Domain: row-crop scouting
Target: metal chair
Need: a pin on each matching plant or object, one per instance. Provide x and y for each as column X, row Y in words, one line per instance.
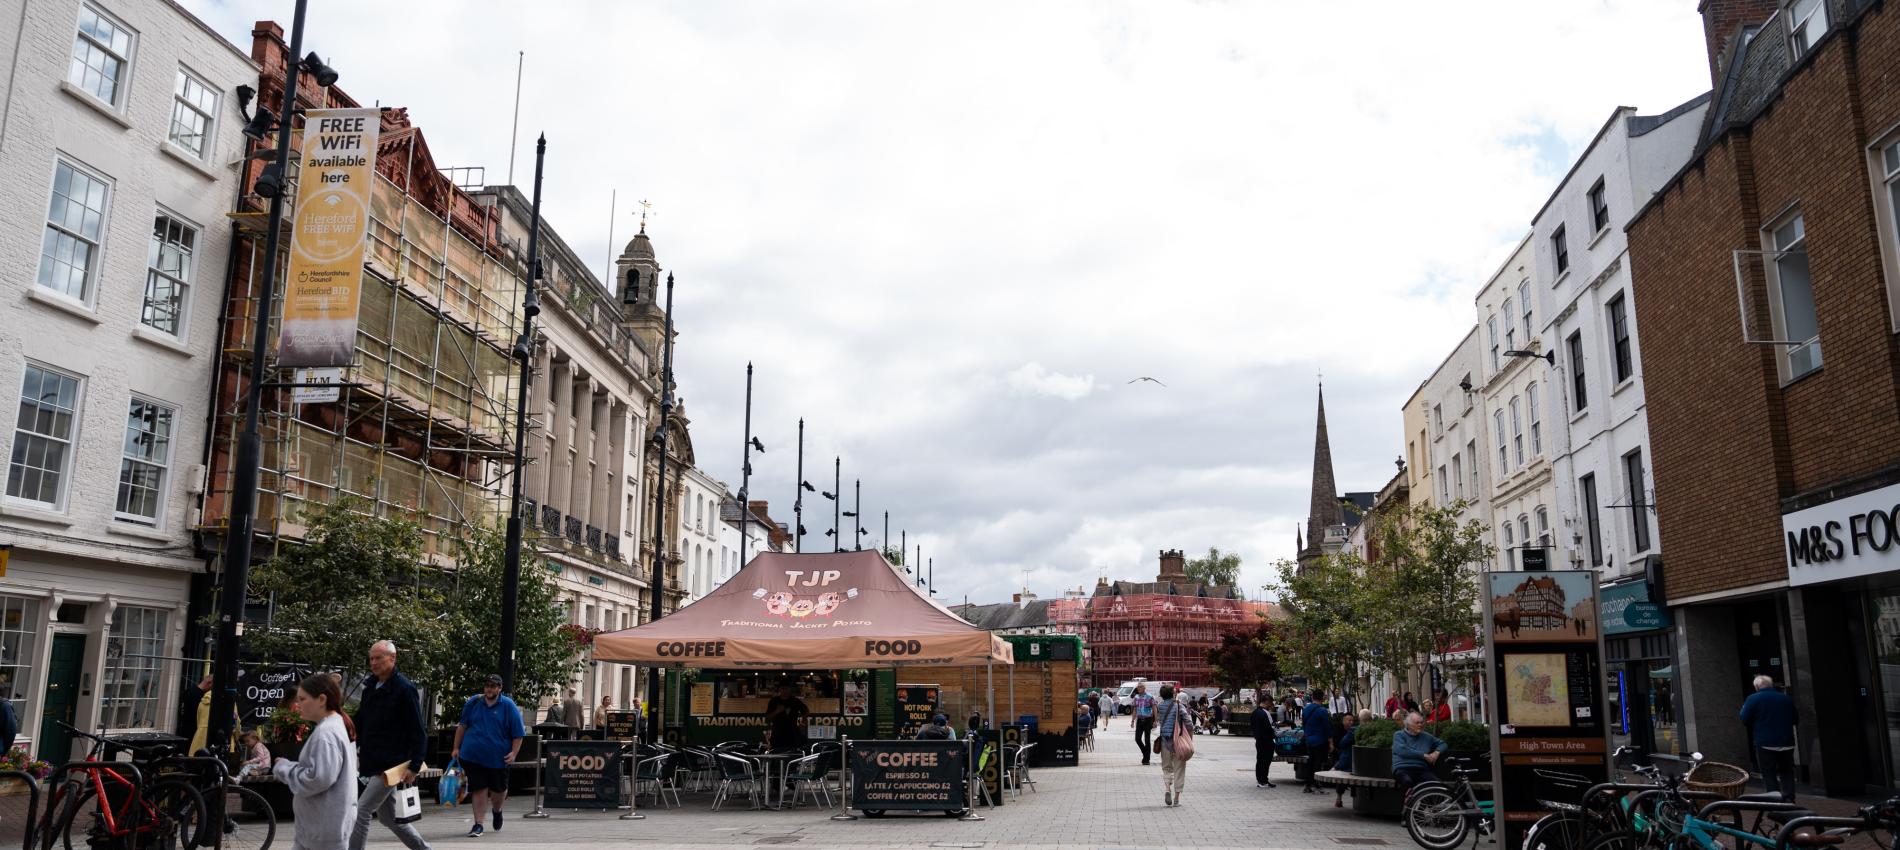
column 701, row 767
column 656, row 773
column 807, row 776
column 735, row 771
column 1019, row 770
column 830, row 758
column 1085, row 737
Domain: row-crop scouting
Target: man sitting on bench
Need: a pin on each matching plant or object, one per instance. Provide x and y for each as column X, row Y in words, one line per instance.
column 1414, row 751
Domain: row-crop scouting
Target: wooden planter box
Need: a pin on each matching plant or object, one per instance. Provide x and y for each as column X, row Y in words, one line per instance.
column 1375, row 762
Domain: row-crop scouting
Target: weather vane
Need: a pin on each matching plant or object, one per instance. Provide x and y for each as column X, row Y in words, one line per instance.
column 646, row 209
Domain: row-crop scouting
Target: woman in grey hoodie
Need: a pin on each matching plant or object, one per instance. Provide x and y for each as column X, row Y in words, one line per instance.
column 323, row 778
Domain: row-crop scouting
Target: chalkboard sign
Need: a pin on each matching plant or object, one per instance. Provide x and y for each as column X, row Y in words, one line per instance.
column 909, row 776
column 916, row 705
column 261, row 689
column 623, row 725
column 581, row 774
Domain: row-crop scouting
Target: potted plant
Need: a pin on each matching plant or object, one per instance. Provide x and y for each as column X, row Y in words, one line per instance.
column 1372, row 749
column 1467, row 740
column 17, row 759
column 284, row 733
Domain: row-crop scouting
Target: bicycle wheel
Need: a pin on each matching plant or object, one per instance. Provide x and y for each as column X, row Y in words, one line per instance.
column 1558, row 831
column 180, row 809
column 247, row 821
column 61, row 804
column 1435, row 819
column 1622, row 839
column 82, row 814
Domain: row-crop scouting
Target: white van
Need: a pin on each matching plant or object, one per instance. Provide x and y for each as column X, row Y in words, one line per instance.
column 1125, row 695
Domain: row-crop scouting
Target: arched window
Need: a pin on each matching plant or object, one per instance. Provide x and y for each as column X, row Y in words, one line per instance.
column 630, row 293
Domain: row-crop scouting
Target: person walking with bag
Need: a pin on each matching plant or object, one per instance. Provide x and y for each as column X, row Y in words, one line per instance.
column 1176, row 745
column 486, row 743
column 322, row 780
column 1144, row 711
column 389, row 734
column 1263, row 744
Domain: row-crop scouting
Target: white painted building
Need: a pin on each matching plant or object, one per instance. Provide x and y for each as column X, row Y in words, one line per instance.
column 700, row 532
column 1515, row 387
column 1598, row 421
column 118, row 141
column 1457, row 438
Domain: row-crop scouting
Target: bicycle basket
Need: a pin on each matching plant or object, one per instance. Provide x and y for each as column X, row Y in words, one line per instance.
column 1724, row 780
column 1556, row 786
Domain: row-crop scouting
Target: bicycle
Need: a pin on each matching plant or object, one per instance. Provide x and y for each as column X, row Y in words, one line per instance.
column 1604, row 808
column 1438, row 815
column 1673, row 823
column 243, row 816
column 1878, row 817
column 125, row 810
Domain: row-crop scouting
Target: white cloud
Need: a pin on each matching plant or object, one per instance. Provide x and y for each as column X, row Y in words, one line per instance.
column 887, row 205
column 1033, row 378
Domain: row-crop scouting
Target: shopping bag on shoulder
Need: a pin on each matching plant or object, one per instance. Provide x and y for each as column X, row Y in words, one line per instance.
column 406, row 803
column 1183, row 748
column 450, row 784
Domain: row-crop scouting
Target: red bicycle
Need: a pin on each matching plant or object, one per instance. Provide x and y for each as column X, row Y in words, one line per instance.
column 107, row 805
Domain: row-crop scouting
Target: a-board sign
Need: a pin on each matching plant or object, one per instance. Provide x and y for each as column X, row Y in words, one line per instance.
column 916, row 704
column 623, row 725
column 262, row 689
column 989, row 764
column 1543, row 638
column 581, row 774
column 909, row 775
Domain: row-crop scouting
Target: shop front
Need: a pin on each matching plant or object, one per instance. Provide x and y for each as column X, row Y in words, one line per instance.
column 707, row 707
column 1639, row 649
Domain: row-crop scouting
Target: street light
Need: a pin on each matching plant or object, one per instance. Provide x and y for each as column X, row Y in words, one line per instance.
column 745, row 468
column 798, row 493
column 523, row 351
column 1548, row 356
column 248, row 457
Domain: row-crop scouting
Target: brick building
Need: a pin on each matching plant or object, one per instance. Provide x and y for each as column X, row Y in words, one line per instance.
column 1163, row 629
column 1765, row 274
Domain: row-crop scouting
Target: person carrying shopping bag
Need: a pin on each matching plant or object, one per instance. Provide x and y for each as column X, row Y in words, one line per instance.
column 1176, row 743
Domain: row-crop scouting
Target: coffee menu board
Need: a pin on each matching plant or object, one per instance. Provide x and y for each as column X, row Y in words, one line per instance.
column 916, row 705
column 909, row 776
column 1549, row 738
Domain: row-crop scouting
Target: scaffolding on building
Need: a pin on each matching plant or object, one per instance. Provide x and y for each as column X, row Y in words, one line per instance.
column 1162, row 637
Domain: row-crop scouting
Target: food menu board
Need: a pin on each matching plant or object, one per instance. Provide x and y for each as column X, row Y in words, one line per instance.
column 701, row 704
column 916, row 705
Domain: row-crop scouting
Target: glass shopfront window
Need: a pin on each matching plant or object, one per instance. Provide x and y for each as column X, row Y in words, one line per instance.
column 1642, row 693
column 19, row 622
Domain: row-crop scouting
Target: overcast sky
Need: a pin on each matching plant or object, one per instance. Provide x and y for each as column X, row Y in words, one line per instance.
column 949, row 233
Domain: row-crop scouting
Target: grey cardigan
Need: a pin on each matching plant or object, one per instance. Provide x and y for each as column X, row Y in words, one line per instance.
column 324, row 782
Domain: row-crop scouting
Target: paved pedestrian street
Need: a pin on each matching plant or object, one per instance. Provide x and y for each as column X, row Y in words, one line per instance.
column 1110, row 801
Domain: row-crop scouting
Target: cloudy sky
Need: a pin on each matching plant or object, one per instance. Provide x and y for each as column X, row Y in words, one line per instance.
column 948, row 234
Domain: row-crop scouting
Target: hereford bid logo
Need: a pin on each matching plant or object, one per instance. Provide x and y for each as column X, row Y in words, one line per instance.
column 786, row 604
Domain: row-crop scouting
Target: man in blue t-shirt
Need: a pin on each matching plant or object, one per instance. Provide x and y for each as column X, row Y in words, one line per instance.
column 486, row 742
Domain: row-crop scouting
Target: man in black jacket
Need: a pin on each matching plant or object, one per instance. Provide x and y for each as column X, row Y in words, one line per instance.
column 1263, row 739
column 389, row 733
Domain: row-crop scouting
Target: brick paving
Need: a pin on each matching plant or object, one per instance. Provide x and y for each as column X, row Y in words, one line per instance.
column 1110, row 801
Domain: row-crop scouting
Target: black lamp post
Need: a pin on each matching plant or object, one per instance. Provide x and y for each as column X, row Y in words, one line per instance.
column 857, row 509
column 656, row 681
column 234, row 586
column 837, row 478
column 798, row 501
column 524, row 352
column 745, row 469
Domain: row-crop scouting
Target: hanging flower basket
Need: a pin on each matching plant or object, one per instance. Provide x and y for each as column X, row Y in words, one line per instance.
column 578, row 637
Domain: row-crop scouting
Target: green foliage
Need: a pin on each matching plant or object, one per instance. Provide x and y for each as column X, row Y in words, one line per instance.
column 1323, row 637
column 1464, row 736
column 546, row 659
column 1245, row 658
column 1375, row 733
column 894, row 555
column 355, row 580
column 1218, row 568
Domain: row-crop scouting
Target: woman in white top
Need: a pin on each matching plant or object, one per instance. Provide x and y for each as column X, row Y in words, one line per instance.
column 323, row 778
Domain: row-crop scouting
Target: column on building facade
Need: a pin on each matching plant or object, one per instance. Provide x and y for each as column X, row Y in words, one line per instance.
column 580, row 488
column 538, row 450
column 617, row 490
column 601, row 506
column 561, row 388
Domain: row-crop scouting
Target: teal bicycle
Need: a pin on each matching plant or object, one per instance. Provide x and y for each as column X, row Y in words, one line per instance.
column 1439, row 815
column 1670, row 819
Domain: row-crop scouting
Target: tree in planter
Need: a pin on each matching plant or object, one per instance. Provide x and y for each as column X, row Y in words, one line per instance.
column 1218, row 568
column 546, row 656
column 1245, row 657
column 1424, row 587
column 356, row 579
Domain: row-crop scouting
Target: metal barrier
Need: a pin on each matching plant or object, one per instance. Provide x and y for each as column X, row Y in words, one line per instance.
column 32, row 804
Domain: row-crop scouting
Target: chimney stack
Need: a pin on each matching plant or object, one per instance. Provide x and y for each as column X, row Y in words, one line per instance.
column 1722, row 19
column 1173, row 566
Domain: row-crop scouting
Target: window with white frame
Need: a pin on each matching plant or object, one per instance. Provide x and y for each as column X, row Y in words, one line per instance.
column 1579, row 388
column 1791, row 291
column 1524, row 529
column 1524, row 303
column 1471, row 451
column 1543, row 525
column 194, row 111
column 1887, row 171
column 1807, row 22
column 1497, row 420
column 1517, row 433
column 1638, row 482
column 75, row 224
column 102, row 55
column 1444, row 485
column 1560, row 248
column 1593, row 533
column 1599, row 208
column 1623, row 359
column 1510, row 328
column 1510, row 546
column 1491, row 326
column 1537, row 419
column 148, row 450
column 1458, row 473
column 43, row 437
column 134, row 673
column 19, row 634
column 1438, row 415
column 168, row 274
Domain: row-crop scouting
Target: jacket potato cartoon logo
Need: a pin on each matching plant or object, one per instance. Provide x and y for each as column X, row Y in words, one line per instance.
column 784, row 604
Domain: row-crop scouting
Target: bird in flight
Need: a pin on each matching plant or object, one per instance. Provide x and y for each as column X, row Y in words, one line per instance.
column 1146, row 378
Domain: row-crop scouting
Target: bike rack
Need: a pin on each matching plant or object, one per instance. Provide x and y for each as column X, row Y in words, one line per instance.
column 32, row 803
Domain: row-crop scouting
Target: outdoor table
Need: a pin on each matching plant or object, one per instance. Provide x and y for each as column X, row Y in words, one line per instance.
column 783, row 761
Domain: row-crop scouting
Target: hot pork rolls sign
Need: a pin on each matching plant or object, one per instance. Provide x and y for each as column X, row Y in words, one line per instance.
column 827, row 610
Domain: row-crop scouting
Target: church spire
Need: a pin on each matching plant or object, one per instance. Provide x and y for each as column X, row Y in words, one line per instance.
column 1324, row 509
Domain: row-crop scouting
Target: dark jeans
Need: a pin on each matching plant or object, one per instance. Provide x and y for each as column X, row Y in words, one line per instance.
column 1262, row 761
column 1408, row 776
column 1144, row 733
column 1777, row 770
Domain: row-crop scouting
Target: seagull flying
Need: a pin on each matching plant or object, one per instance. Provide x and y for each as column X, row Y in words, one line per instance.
column 1146, row 378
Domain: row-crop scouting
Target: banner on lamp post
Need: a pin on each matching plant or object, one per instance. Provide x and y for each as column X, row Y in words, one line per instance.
column 329, row 230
